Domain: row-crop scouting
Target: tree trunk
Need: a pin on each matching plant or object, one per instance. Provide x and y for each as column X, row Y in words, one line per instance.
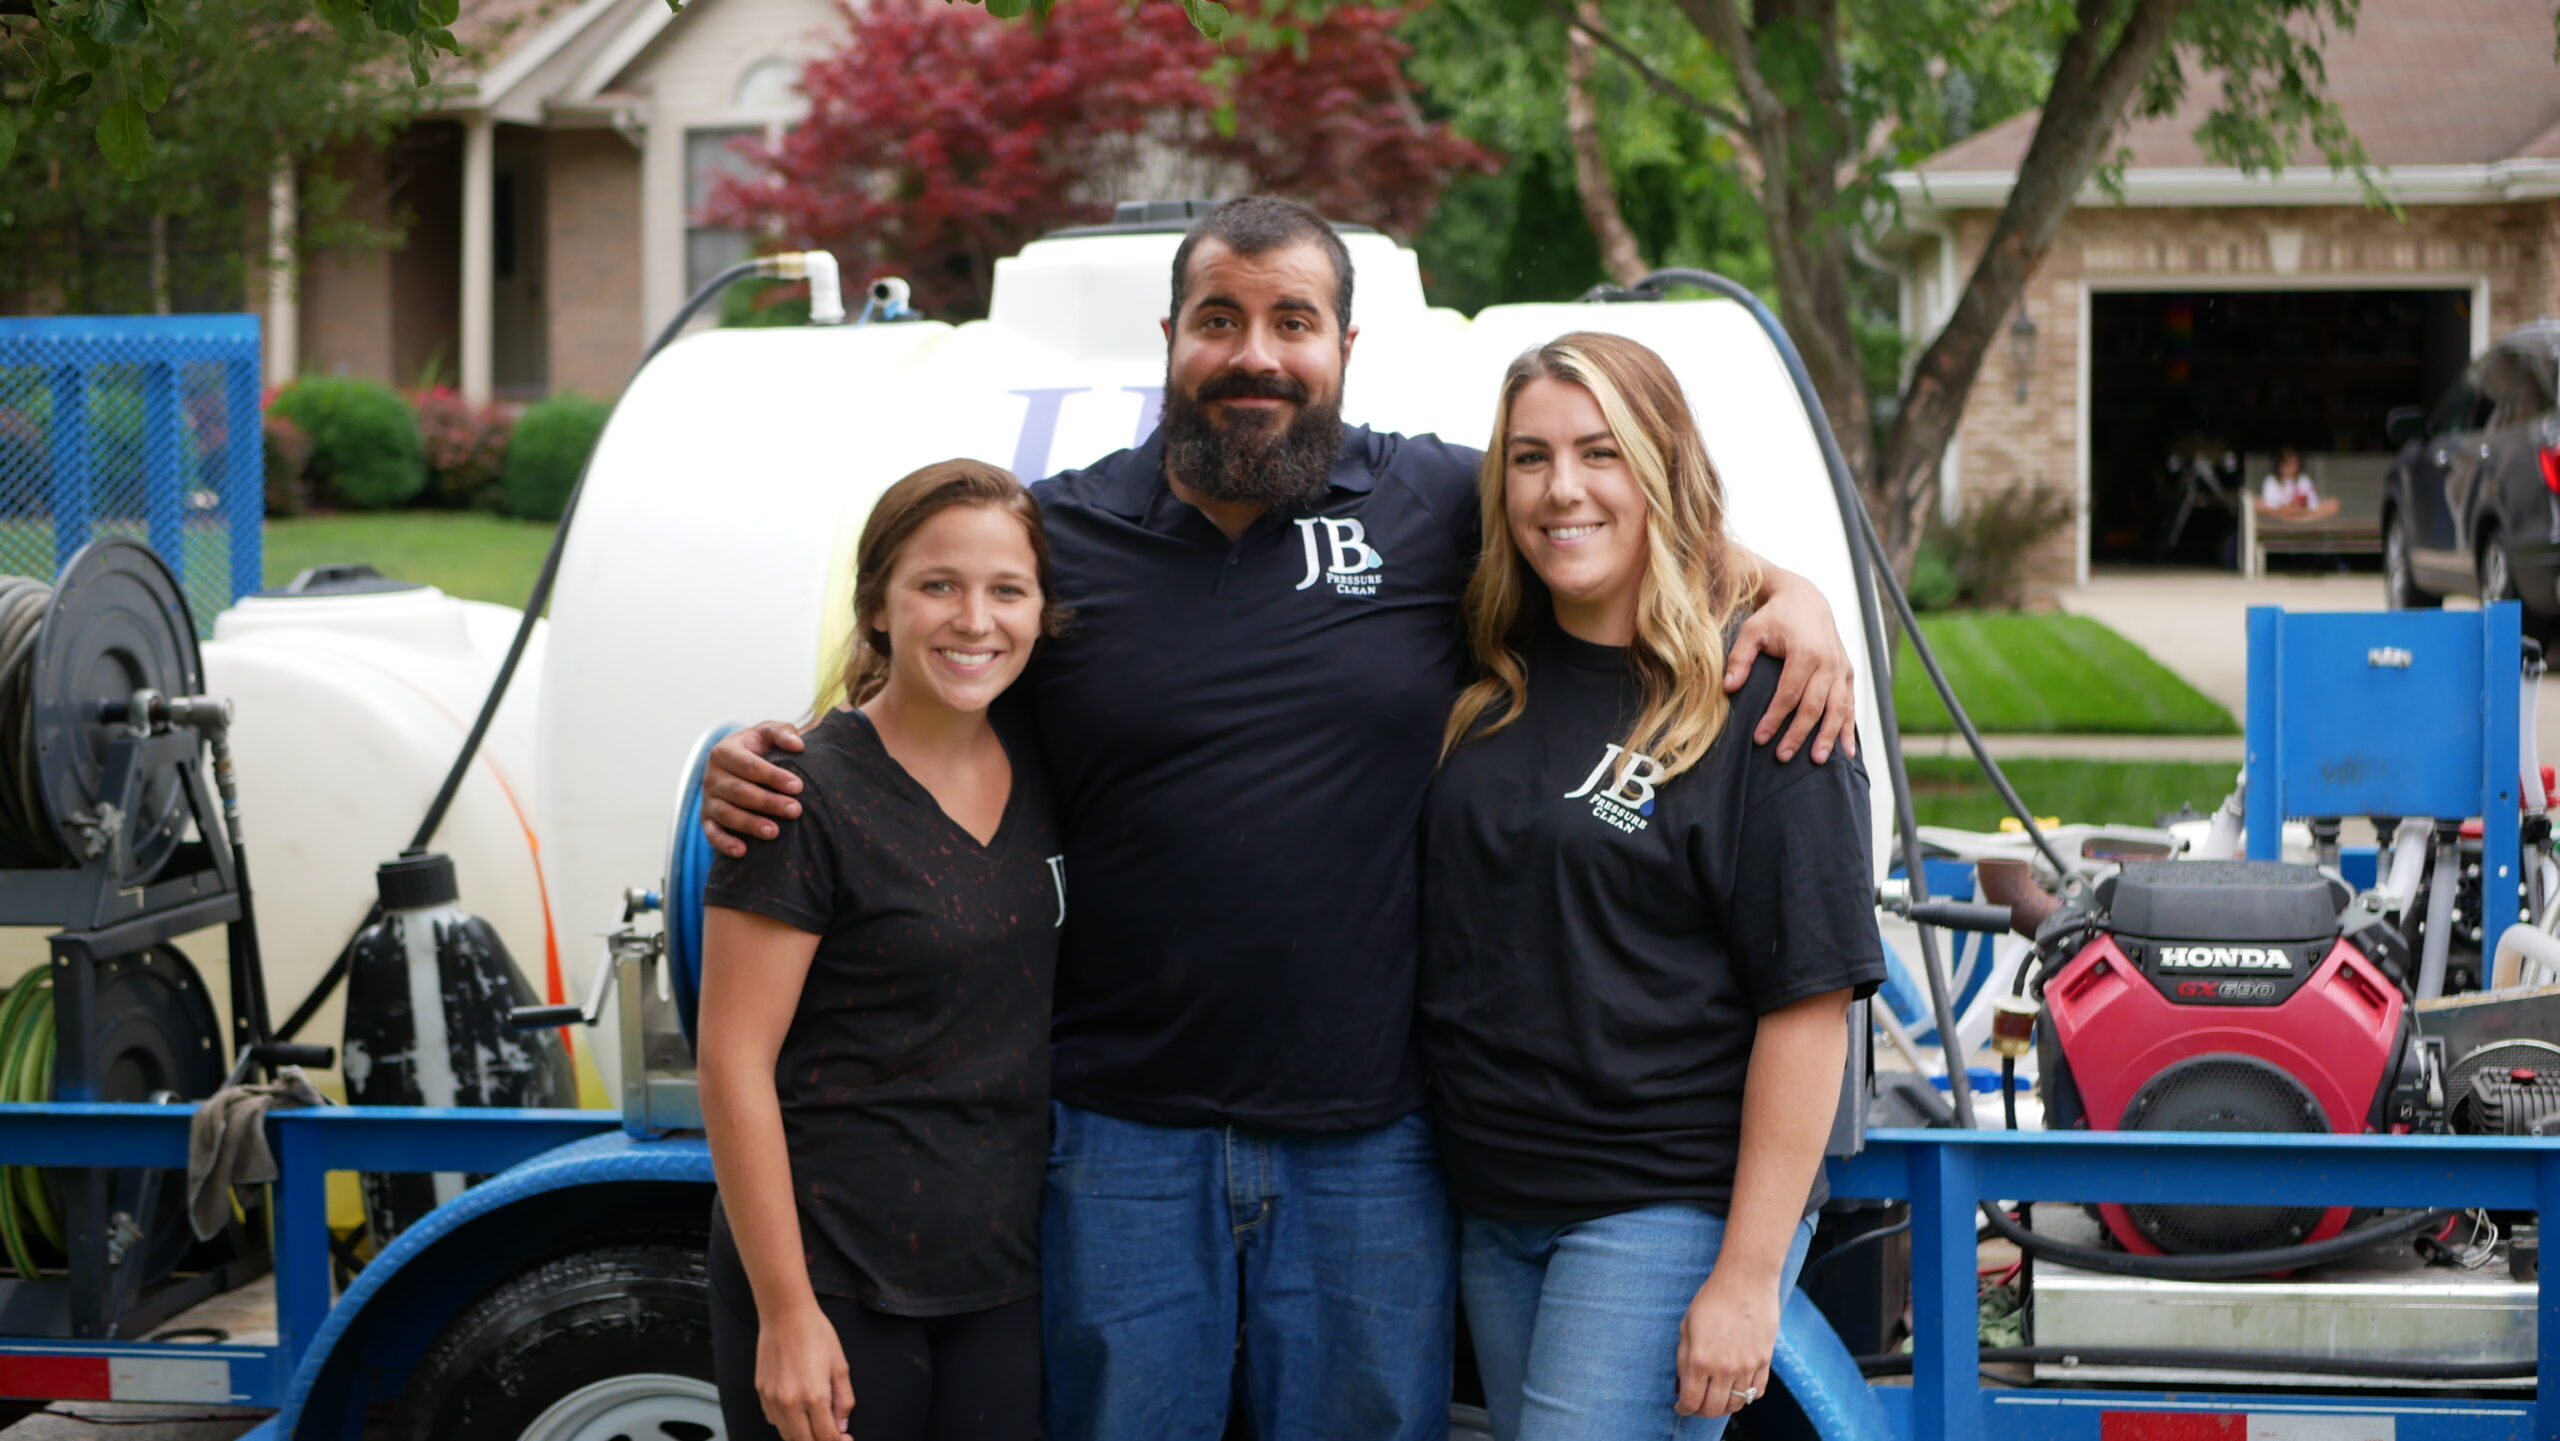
column 1599, row 194
column 2092, row 88
column 159, row 263
column 1802, row 149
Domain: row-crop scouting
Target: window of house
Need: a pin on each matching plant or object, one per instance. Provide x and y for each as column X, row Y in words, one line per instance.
column 708, row 249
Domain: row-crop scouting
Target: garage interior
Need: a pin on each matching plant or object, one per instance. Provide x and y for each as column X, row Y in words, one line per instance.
column 2193, row 392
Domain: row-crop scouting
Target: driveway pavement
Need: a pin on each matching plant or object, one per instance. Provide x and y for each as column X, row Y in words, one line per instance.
column 2195, row 622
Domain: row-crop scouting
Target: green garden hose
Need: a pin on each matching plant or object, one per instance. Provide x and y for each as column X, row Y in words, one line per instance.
column 26, row 1074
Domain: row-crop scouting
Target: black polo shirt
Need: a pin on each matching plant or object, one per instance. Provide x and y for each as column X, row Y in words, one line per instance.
column 1240, row 734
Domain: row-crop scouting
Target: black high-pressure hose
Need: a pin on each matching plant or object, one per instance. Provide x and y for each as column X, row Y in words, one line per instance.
column 533, row 608
column 1879, row 571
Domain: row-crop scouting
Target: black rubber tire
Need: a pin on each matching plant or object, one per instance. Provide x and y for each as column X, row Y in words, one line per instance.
column 614, row 1310
column 2400, row 590
column 2493, row 570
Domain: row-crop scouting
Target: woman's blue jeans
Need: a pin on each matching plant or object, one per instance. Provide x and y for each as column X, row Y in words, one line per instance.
column 1577, row 1326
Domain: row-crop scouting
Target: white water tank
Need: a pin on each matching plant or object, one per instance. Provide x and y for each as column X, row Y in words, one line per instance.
column 349, row 705
column 706, row 578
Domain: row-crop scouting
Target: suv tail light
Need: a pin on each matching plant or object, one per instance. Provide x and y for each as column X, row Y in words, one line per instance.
column 2551, row 469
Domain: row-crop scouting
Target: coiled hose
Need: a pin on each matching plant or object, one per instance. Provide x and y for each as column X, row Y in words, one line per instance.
column 28, row 839
column 26, row 1074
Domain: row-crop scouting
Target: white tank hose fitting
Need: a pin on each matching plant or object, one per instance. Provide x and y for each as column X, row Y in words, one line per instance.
column 826, row 287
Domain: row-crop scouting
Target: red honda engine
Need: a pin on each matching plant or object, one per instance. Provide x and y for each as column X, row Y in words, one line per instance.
column 2223, row 996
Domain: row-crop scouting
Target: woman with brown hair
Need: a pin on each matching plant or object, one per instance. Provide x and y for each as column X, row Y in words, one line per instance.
column 1641, row 934
column 874, row 1056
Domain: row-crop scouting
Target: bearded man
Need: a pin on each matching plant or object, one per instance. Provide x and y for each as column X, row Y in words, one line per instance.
column 1244, row 1200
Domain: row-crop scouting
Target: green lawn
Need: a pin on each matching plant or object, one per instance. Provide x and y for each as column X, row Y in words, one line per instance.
column 1948, row 791
column 477, row 557
column 2023, row 672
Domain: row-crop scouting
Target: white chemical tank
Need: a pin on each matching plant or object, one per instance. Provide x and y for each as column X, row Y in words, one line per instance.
column 706, row 576
column 349, row 704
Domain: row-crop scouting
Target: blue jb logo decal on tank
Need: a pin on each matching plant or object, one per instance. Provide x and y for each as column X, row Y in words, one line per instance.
column 1338, row 549
column 1626, row 803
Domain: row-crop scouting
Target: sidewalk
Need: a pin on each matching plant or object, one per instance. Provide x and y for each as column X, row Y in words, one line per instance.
column 2196, row 622
column 2082, row 747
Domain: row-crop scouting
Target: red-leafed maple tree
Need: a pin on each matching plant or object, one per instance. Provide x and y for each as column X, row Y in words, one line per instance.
column 940, row 139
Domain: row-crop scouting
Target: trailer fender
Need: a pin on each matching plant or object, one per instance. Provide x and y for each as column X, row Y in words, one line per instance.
column 1823, row 1378
column 608, row 1185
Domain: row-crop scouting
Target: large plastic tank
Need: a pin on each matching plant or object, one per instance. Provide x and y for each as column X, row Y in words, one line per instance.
column 705, row 579
column 349, row 707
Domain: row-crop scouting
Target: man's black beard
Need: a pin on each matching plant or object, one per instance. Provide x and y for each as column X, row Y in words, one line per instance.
column 1244, row 460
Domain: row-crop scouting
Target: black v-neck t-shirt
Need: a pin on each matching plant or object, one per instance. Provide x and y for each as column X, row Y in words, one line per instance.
column 914, row 1080
column 1598, row 944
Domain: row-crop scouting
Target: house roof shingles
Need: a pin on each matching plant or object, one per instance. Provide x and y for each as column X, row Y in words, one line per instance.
column 491, row 30
column 2420, row 82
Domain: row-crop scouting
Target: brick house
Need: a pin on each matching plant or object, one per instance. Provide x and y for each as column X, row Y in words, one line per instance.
column 550, row 190
column 2213, row 313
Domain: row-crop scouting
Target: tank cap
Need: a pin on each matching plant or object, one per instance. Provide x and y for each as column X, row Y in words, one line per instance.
column 416, row 882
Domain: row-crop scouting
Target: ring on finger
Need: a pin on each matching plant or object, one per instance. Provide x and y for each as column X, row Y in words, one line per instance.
column 1748, row 1394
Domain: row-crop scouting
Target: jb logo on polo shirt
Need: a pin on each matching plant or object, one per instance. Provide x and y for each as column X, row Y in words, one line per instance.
column 1626, row 803
column 1338, row 549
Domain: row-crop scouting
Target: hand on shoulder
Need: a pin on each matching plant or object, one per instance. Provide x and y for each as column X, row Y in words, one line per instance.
column 745, row 794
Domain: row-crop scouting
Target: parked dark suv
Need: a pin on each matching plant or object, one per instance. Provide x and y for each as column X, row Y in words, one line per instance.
column 2473, row 502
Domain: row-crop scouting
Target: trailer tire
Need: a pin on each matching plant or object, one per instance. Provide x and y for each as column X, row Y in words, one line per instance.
column 611, row 1340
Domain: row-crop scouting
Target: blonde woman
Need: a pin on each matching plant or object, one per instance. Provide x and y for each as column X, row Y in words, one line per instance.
column 1641, row 933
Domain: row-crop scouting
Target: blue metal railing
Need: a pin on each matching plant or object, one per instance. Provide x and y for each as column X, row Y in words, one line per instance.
column 147, row 426
column 1944, row 1174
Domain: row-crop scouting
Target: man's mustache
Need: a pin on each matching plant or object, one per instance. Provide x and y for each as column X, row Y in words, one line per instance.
column 1236, row 386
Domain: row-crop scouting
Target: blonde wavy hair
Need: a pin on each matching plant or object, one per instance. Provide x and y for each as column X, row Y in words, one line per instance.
column 1696, row 580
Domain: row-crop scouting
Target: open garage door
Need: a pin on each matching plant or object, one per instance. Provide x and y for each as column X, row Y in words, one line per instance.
column 2192, row 393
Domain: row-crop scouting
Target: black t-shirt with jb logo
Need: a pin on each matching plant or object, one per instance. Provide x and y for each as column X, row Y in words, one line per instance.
column 1598, row 944
column 914, row 1080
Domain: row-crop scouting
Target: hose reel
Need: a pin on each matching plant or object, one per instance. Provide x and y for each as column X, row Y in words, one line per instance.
column 109, row 832
column 73, row 656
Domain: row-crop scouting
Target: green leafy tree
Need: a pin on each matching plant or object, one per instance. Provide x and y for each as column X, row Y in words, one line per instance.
column 1821, row 99
column 1497, row 70
column 240, row 87
column 114, row 64
column 1826, row 97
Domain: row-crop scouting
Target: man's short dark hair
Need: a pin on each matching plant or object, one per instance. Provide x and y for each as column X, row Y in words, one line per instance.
column 1253, row 224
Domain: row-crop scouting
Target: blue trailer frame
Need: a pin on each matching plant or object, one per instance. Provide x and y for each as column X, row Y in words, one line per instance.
column 331, row 1358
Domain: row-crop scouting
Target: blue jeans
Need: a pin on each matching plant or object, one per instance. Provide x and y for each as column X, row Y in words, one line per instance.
column 1328, row 1258
column 1577, row 1327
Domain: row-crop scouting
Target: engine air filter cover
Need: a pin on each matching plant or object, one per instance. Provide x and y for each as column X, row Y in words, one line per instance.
column 2224, row 1092
column 2224, row 901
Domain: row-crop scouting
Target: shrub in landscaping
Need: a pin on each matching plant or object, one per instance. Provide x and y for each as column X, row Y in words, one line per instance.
column 365, row 450
column 1934, row 584
column 288, row 452
column 550, row 443
column 1990, row 541
column 466, row 447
